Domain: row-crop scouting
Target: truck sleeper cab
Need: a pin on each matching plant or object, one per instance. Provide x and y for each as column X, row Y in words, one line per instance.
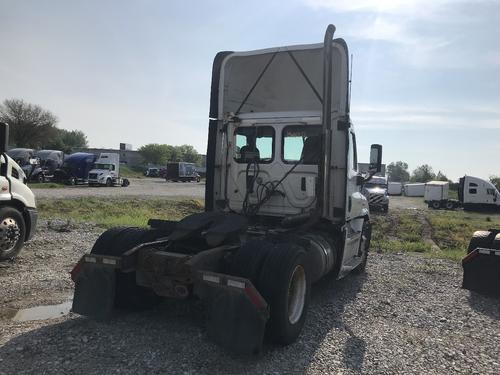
column 283, row 204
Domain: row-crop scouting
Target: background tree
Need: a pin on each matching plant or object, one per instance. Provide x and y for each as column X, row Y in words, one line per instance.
column 423, row 173
column 189, row 154
column 441, row 177
column 67, row 140
column 398, row 171
column 155, row 153
column 495, row 180
column 30, row 125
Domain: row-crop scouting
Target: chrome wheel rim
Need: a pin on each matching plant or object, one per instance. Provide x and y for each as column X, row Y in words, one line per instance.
column 9, row 234
column 296, row 294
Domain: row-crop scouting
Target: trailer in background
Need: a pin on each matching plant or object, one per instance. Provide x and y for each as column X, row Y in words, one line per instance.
column 50, row 161
column 436, row 195
column 415, row 190
column 395, row 188
column 181, row 171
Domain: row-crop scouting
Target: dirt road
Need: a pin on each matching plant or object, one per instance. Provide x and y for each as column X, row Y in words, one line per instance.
column 143, row 187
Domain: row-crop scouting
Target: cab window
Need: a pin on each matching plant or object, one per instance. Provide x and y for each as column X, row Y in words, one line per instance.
column 254, row 143
column 301, row 142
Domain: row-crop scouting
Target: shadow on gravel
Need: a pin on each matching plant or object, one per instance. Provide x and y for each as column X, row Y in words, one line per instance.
column 171, row 339
column 485, row 305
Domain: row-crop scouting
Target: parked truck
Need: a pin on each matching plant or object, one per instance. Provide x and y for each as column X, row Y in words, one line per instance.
column 18, row 214
column 474, row 194
column 283, row 204
column 106, row 171
column 376, row 192
column 181, row 171
column 50, row 161
column 27, row 160
column 75, row 168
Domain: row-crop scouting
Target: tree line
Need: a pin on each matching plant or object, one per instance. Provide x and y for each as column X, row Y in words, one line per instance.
column 31, row 126
column 160, row 154
column 398, row 172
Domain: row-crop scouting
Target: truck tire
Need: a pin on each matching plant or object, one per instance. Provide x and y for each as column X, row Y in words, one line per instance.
column 40, row 178
column 125, row 182
column 12, row 232
column 436, row 205
column 248, row 260
column 450, row 205
column 366, row 236
column 284, row 284
column 115, row 242
column 109, row 183
column 480, row 238
column 71, row 181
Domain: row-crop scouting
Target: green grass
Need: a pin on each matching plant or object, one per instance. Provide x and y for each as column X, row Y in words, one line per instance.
column 131, row 172
column 107, row 213
column 411, row 230
column 45, row 185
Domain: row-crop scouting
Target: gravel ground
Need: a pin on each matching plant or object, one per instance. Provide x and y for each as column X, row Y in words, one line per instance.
column 145, row 187
column 407, row 314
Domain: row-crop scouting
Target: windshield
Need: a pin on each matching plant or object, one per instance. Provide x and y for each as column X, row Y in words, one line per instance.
column 110, row 167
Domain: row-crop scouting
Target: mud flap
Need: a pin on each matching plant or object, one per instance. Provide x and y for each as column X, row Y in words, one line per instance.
column 236, row 316
column 95, row 291
column 482, row 271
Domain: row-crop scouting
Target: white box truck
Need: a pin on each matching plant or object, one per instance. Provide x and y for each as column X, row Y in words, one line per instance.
column 106, row 171
column 394, row 188
column 415, row 190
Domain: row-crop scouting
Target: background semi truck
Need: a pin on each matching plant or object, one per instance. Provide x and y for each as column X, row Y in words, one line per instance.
column 75, row 168
column 474, row 194
column 18, row 214
column 27, row 160
column 181, row 171
column 283, row 204
column 376, row 192
column 106, row 171
column 50, row 161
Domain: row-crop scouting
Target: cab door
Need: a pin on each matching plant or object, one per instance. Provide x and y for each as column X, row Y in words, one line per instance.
column 356, row 206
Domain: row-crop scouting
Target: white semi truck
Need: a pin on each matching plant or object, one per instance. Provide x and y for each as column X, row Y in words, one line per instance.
column 18, row 214
column 106, row 171
column 474, row 194
column 283, row 204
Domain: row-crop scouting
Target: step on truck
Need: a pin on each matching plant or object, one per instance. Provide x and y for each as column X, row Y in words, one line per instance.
column 18, row 214
column 106, row 171
column 283, row 205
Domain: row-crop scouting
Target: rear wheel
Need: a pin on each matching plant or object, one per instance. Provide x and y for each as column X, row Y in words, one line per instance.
column 248, row 260
column 115, row 242
column 40, row 178
column 72, row 181
column 436, row 205
column 125, row 182
column 284, row 284
column 450, row 205
column 480, row 238
column 12, row 232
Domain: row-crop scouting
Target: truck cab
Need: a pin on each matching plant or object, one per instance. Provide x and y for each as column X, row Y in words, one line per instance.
column 106, row 171
column 478, row 194
column 18, row 214
column 283, row 203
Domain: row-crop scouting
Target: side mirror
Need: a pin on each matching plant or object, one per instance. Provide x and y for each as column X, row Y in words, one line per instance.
column 375, row 159
column 4, row 137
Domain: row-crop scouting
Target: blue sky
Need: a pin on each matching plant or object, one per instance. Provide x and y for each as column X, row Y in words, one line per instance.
column 426, row 78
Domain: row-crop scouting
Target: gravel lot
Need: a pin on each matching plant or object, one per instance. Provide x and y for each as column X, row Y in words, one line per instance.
column 408, row 314
column 145, row 187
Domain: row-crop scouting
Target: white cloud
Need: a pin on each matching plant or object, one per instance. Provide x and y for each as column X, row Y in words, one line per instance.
column 407, row 117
